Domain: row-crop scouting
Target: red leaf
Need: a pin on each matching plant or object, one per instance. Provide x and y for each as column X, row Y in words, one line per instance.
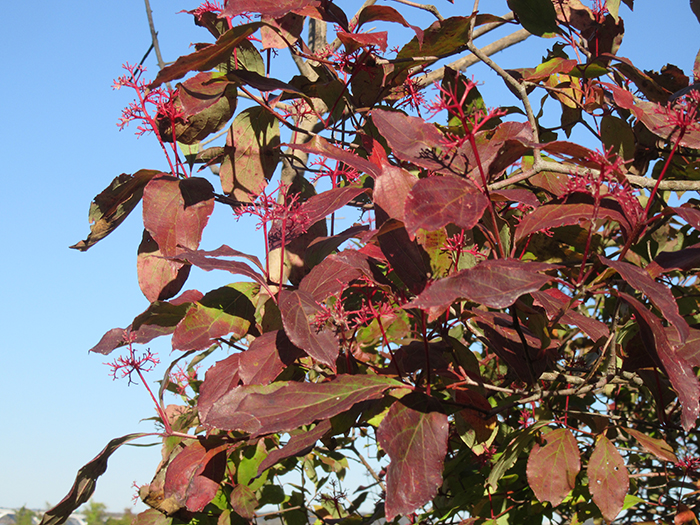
column 387, row 14
column 175, row 212
column 557, row 307
column 109, row 209
column 287, row 405
column 496, row 283
column 273, row 8
column 657, row 293
column 438, row 201
column 608, row 480
column 226, row 310
column 297, row 445
column 412, row 139
column 193, row 477
column 207, row 57
column 322, row 205
column 406, row 256
column 221, row 378
column 333, row 274
column 575, row 211
column 657, row 447
column 689, row 214
column 354, row 41
column 299, row 310
column 679, row 371
column 320, row 146
column 159, row 278
column 266, row 357
column 416, row 443
column 552, row 469
column 392, row 188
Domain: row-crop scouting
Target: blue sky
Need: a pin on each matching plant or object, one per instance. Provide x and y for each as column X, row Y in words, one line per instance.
column 60, row 406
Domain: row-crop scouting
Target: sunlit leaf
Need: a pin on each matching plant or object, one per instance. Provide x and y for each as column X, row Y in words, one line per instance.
column 552, row 469
column 608, row 480
column 657, row 447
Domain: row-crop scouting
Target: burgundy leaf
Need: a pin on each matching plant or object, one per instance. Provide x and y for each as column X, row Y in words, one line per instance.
column 85, row 483
column 677, row 368
column 175, row 212
column 411, row 138
column 657, row 293
column 320, row 146
column 518, row 195
column 552, row 469
column 556, row 304
column 322, row 247
column 416, row 443
column 207, row 57
column 193, row 476
column 496, row 283
column 220, row 379
column 355, row 41
column 201, row 92
column 683, row 260
column 406, row 256
column 226, row 310
column 689, row 214
column 574, row 211
column 273, row 8
column 372, row 13
column 657, row 447
column 438, row 201
column 332, row 275
column 297, row 445
column 322, row 205
column 392, row 188
column 287, row 405
column 109, row 209
column 159, row 278
column 266, row 357
column 299, row 310
column 608, row 480
column 690, row 351
column 257, row 81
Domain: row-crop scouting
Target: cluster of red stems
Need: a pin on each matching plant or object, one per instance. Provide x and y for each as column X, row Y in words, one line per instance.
column 502, row 328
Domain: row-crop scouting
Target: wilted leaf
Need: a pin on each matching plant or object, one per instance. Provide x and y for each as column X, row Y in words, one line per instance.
column 657, row 447
column 175, row 212
column 435, row 202
column 416, row 443
column 608, row 480
column 287, row 405
column 109, row 209
column 299, row 310
column 85, row 483
column 552, row 469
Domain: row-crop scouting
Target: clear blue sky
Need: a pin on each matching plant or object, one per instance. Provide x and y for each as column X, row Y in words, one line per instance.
column 60, row 406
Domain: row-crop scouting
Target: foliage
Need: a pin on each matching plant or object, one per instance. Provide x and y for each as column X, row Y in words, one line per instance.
column 24, row 516
column 507, row 333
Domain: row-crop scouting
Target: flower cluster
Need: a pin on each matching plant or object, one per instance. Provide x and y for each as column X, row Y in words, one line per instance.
column 125, row 366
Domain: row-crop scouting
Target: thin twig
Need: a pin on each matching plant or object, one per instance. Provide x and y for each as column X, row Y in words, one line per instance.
column 425, row 7
column 154, row 39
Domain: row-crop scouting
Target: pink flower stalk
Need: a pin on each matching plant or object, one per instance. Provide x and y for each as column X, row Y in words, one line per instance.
column 125, row 366
column 182, row 376
column 413, row 96
column 341, row 172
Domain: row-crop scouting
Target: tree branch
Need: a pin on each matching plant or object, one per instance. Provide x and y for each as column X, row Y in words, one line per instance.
column 154, row 39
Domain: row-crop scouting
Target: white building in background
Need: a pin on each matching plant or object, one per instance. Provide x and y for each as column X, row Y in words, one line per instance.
column 7, row 517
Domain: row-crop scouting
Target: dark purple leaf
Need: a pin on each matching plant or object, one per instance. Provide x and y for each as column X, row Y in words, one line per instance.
column 175, row 212
column 193, row 476
column 556, row 304
column 159, row 278
column 608, row 480
column 207, row 57
column 679, row 371
column 109, row 209
column 496, row 283
column 299, row 310
column 332, row 275
column 683, row 260
column 552, row 469
column 320, row 146
column 658, row 294
column 85, row 483
column 689, row 214
column 322, row 247
column 577, row 209
column 226, row 310
column 287, row 405
column 262, row 83
column 416, row 443
column 297, row 445
column 405, row 255
column 438, row 201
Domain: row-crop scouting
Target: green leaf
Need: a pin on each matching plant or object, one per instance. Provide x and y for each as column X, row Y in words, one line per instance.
column 287, row 405
column 537, row 16
column 520, row 440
